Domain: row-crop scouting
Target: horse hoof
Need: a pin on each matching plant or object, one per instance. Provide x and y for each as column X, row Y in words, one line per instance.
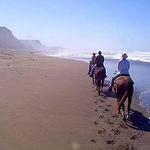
column 127, row 117
column 123, row 116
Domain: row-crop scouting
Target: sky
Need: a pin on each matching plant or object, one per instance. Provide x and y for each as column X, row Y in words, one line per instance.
column 108, row 25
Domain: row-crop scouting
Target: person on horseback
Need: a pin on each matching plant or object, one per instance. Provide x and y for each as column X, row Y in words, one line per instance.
column 92, row 62
column 99, row 62
column 93, row 58
column 123, row 70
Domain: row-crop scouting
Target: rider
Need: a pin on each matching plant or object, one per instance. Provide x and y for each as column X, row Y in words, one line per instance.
column 93, row 58
column 123, row 69
column 99, row 62
column 92, row 62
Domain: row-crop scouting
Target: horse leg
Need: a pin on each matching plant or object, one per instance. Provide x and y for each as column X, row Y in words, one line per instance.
column 98, row 85
column 93, row 80
column 102, row 85
column 123, row 108
column 130, row 100
column 121, row 102
column 99, row 90
column 118, row 99
column 118, row 109
column 123, row 113
column 129, row 106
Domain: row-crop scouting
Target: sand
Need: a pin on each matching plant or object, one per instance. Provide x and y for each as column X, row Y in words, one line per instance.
column 49, row 103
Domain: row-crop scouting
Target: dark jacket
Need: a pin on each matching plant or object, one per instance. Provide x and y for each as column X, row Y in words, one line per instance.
column 99, row 61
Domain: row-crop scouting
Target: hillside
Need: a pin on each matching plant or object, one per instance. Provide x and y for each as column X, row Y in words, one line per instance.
column 9, row 41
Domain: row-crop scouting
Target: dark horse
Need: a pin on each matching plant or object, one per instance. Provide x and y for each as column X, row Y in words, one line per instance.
column 99, row 75
column 123, row 88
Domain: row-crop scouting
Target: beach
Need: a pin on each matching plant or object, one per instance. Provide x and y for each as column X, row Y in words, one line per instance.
column 49, row 103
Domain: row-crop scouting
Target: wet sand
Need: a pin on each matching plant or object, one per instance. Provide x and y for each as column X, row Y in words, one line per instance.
column 50, row 104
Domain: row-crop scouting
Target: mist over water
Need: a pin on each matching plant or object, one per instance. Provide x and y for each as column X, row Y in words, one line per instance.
column 139, row 69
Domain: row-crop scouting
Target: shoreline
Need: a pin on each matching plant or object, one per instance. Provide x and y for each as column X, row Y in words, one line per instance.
column 50, row 103
column 143, row 107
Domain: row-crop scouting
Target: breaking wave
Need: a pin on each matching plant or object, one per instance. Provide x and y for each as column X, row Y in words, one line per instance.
column 136, row 56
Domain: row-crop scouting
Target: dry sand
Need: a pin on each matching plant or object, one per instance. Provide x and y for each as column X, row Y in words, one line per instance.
column 50, row 104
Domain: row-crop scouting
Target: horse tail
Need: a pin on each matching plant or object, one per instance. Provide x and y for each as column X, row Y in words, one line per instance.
column 123, row 98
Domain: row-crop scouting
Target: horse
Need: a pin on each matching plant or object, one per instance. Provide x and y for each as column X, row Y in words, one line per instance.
column 100, row 76
column 92, row 72
column 123, row 88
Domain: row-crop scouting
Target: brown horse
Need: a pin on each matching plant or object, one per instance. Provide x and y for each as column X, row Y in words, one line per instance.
column 93, row 76
column 123, row 88
column 99, row 78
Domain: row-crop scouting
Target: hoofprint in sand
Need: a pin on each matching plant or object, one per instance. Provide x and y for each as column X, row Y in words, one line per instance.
column 50, row 103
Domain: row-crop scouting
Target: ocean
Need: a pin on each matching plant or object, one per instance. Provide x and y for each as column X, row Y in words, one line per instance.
column 139, row 70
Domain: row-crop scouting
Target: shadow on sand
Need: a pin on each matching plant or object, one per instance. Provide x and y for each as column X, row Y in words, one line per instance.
column 109, row 94
column 138, row 121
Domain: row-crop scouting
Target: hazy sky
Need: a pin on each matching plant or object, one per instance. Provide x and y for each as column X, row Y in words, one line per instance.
column 80, row 24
